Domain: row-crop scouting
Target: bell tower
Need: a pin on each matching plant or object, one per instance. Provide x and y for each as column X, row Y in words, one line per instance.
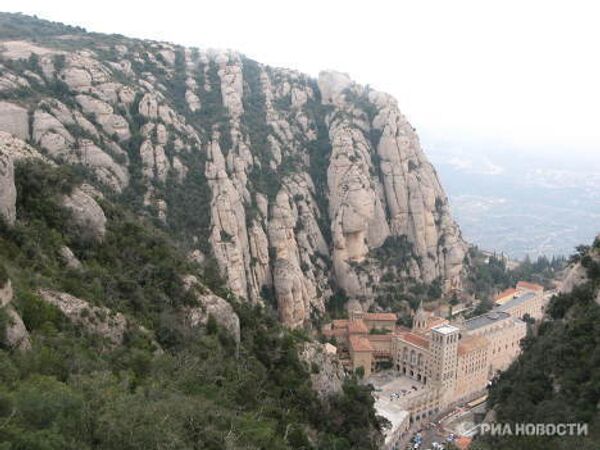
column 444, row 354
column 420, row 319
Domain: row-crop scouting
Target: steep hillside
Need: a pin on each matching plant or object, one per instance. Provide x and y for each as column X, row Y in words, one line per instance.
column 296, row 187
column 557, row 377
column 111, row 338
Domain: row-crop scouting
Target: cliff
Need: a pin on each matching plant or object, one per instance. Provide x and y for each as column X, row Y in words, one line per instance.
column 291, row 184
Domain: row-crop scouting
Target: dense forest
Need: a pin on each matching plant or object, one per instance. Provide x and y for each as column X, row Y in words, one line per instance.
column 557, row 377
column 168, row 387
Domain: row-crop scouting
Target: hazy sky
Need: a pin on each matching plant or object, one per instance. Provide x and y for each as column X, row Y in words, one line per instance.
column 524, row 74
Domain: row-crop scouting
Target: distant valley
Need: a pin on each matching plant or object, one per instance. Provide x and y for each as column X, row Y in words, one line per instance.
column 520, row 205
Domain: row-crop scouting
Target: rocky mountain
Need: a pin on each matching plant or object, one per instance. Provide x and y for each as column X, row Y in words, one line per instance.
column 295, row 186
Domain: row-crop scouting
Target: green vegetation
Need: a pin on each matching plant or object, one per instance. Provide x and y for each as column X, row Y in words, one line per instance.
column 21, row 26
column 557, row 378
column 71, row 391
column 213, row 115
column 320, row 152
column 264, row 178
column 489, row 274
column 396, row 252
column 3, row 276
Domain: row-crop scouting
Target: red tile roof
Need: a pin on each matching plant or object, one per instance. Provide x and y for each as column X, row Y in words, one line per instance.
column 335, row 332
column 463, row 442
column 379, row 337
column 360, row 344
column 342, row 323
column 381, row 317
column 415, row 339
column 435, row 321
column 357, row 327
column 506, row 293
column 529, row 286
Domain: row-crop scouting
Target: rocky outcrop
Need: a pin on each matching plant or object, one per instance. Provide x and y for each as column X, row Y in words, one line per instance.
column 11, row 149
column 577, row 274
column 14, row 120
column 87, row 216
column 16, row 336
column 210, row 304
column 96, row 320
column 404, row 198
column 8, row 191
column 326, row 371
column 68, row 258
column 302, row 180
column 6, row 293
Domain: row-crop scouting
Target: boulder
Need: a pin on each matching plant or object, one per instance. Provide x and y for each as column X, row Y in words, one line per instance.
column 86, row 215
column 68, row 258
column 96, row 320
column 16, row 336
column 14, row 119
column 210, row 304
column 8, row 191
column 326, row 371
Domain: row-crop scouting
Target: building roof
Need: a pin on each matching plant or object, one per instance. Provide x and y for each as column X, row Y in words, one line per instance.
column 415, row 339
column 340, row 323
column 379, row 337
column 434, row 321
column 516, row 301
column 381, row 317
column 486, row 319
column 336, row 332
column 360, row 344
column 526, row 285
column 357, row 327
column 445, row 329
column 505, row 294
column 471, row 343
column 463, row 442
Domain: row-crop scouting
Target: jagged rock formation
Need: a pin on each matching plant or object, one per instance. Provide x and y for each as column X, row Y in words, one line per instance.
column 577, row 272
column 8, row 191
column 210, row 304
column 69, row 259
column 326, row 370
column 290, row 183
column 11, row 150
column 96, row 320
column 16, row 335
column 86, row 215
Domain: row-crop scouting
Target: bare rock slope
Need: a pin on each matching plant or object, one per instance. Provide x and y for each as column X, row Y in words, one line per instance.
column 290, row 184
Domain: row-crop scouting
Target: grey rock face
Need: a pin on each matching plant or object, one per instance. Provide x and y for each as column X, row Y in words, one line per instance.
column 17, row 336
column 210, row 304
column 302, row 180
column 326, row 371
column 8, row 191
column 87, row 215
column 95, row 320
column 6, row 294
column 11, row 149
column 577, row 274
column 69, row 259
column 14, row 120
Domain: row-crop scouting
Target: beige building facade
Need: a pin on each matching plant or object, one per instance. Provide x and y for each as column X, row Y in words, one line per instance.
column 448, row 362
